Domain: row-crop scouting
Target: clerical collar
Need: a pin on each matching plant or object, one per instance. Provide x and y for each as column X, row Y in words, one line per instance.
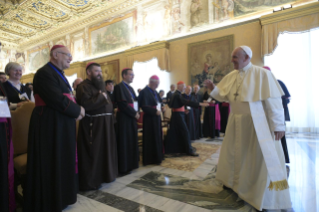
column 246, row 67
column 125, row 83
column 172, row 91
column 57, row 68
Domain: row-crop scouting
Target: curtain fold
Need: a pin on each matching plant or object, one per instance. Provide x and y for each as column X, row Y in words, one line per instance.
column 297, row 20
column 295, row 63
column 159, row 50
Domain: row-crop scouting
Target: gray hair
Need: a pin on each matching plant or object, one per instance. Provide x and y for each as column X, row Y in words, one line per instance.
column 10, row 66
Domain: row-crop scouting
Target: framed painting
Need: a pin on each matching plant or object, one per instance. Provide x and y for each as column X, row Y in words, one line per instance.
column 111, row 70
column 210, row 59
column 38, row 58
column 117, row 34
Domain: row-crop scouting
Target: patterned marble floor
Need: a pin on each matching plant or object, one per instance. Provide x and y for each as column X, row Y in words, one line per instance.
column 157, row 188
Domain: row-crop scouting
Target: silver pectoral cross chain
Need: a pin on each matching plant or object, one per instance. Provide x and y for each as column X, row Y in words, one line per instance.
column 236, row 94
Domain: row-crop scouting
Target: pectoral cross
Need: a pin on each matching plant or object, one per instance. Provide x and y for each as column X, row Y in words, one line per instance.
column 236, row 94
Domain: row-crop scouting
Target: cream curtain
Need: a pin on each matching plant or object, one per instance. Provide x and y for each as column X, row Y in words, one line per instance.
column 288, row 22
column 143, row 54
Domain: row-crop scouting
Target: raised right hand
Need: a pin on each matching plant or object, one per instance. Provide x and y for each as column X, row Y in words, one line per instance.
column 209, row 84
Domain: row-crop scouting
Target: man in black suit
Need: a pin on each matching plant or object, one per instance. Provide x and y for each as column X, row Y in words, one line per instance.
column 170, row 94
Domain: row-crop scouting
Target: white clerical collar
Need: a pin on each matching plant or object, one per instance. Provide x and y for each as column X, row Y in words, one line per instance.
column 246, row 67
column 172, row 91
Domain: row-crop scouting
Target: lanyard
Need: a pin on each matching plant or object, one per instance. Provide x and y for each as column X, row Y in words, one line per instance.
column 132, row 94
column 61, row 75
column 20, row 92
column 153, row 93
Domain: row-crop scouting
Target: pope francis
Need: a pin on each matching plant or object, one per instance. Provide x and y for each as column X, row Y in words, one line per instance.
column 251, row 159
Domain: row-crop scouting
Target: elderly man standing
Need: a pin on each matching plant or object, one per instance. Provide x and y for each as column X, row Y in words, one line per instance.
column 126, row 127
column 189, row 113
column 198, row 112
column 251, row 159
column 178, row 139
column 170, row 94
column 51, row 181
column 75, row 85
column 150, row 102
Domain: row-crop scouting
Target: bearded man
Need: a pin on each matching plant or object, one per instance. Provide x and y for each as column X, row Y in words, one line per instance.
column 97, row 148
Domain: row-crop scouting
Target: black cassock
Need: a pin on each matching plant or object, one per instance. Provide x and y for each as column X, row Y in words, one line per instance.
column 13, row 93
column 169, row 96
column 178, row 139
column 152, row 127
column 285, row 102
column 189, row 118
column 7, row 198
column 224, row 113
column 51, row 181
column 209, row 120
column 197, row 116
column 126, row 128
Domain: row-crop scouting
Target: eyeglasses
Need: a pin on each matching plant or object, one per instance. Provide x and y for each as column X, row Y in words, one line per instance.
column 67, row 54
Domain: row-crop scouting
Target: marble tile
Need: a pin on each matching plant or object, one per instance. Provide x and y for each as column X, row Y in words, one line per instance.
column 175, row 190
column 122, row 204
column 85, row 204
column 206, row 193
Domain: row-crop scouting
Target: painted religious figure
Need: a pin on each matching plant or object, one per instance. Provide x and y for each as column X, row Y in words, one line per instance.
column 210, row 59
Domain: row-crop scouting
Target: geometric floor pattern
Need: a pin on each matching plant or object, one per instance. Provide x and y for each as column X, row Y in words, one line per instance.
column 156, row 188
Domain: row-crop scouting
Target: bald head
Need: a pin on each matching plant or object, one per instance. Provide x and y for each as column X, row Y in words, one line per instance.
column 61, row 57
column 153, row 83
column 188, row 90
column 240, row 58
column 196, row 89
column 172, row 87
column 76, row 83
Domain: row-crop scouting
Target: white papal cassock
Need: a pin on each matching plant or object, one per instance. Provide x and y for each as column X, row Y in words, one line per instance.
column 242, row 165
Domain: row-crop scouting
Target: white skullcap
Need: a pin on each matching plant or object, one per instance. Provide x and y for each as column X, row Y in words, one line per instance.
column 247, row 50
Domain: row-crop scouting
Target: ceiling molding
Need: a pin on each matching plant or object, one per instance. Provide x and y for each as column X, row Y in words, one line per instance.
column 92, row 18
column 295, row 12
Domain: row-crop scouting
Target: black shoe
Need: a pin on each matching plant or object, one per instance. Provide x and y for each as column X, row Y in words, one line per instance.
column 194, row 154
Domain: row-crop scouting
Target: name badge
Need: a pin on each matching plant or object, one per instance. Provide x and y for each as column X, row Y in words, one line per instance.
column 135, row 105
column 23, row 97
column 159, row 106
column 4, row 108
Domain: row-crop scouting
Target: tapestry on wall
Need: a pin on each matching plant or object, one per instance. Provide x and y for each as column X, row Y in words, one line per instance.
column 109, row 36
column 38, row 58
column 111, row 71
column 210, row 59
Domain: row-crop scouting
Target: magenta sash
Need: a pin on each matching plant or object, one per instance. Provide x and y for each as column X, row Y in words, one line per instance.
column 12, row 203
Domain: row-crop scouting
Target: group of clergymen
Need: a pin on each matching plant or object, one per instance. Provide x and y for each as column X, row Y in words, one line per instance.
column 60, row 161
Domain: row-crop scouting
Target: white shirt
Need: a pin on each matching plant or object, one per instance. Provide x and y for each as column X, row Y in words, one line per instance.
column 17, row 86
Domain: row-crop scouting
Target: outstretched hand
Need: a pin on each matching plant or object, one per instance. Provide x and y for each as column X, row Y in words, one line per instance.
column 204, row 104
column 209, row 84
